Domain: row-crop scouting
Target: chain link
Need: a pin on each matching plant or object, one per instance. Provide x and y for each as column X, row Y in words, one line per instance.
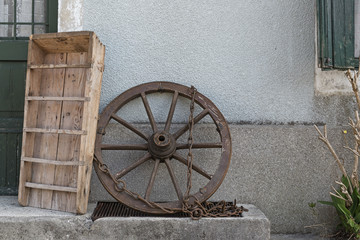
column 190, row 144
column 196, row 209
column 104, row 168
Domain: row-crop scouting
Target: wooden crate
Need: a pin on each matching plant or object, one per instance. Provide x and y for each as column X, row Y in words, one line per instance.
column 62, row 95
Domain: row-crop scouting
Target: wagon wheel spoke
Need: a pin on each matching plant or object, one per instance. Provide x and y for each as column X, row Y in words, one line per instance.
column 186, row 127
column 148, row 112
column 199, row 145
column 173, row 179
column 152, row 179
column 194, row 166
column 129, row 126
column 124, row 147
column 171, row 111
column 125, row 171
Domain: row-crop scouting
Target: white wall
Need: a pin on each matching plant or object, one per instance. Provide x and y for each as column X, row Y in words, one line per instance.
column 254, row 59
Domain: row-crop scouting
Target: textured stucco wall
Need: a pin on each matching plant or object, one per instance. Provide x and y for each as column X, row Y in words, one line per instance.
column 249, row 57
column 255, row 60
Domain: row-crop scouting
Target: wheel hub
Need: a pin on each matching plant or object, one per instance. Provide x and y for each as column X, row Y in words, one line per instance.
column 162, row 145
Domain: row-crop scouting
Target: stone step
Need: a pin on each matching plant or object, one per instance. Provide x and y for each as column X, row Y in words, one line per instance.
column 18, row 222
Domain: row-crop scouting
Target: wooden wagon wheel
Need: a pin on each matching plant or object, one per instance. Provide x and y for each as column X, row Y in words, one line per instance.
column 161, row 146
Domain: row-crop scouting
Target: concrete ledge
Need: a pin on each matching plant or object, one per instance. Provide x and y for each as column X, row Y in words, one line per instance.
column 298, row 237
column 18, row 222
column 254, row 225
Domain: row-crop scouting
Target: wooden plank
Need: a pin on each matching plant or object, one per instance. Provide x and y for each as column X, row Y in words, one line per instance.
column 17, row 87
column 5, row 99
column 49, row 187
column 69, row 145
column 11, row 159
column 13, row 50
column 55, row 131
column 45, row 66
column 91, row 109
column 9, row 167
column 41, row 98
column 48, row 117
column 3, row 162
column 12, row 89
column 33, row 80
column 343, row 34
column 63, row 42
column 54, row 162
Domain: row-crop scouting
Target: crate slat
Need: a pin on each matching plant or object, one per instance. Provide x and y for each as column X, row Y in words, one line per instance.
column 54, row 162
column 63, row 85
column 55, row 131
column 51, row 66
column 43, row 98
column 50, row 187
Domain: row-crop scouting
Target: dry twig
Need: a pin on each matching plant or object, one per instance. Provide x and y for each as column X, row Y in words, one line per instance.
column 354, row 174
column 344, row 191
column 323, row 137
column 353, row 80
column 337, row 196
column 355, row 127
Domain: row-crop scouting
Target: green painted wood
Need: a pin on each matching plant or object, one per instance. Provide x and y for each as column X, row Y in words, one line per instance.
column 3, row 160
column 336, row 34
column 11, row 124
column 12, row 91
column 53, row 15
column 13, row 50
column 10, row 148
column 12, row 86
column 343, row 33
column 12, row 152
column 325, row 44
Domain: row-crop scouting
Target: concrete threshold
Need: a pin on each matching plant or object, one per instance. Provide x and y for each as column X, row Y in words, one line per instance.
column 18, row 222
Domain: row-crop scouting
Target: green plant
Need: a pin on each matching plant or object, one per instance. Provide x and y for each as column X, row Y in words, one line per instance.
column 346, row 199
column 347, row 207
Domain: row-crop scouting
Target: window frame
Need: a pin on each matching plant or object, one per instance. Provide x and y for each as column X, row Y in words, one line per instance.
column 50, row 23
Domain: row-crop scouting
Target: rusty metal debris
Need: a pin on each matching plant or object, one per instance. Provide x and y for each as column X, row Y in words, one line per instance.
column 161, row 148
column 117, row 209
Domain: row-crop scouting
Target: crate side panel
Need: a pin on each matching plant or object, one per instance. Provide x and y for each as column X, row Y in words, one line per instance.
column 78, row 48
column 91, row 111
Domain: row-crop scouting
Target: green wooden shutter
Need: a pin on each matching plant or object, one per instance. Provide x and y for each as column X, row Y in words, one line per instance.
column 335, row 19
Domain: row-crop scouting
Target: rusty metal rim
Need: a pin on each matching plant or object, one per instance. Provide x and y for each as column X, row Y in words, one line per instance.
column 152, row 87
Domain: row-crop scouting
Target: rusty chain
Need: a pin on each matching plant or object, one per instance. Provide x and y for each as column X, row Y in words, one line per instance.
column 196, row 209
column 104, row 168
column 190, row 143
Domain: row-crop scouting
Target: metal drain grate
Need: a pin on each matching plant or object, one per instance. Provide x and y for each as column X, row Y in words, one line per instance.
column 117, row 209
